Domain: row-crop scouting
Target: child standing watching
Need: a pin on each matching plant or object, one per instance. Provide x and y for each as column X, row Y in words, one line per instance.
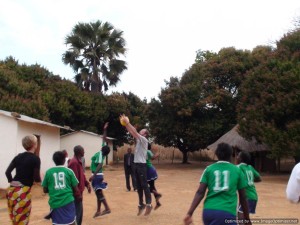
column 251, row 176
column 27, row 166
column 61, row 184
column 97, row 175
column 223, row 180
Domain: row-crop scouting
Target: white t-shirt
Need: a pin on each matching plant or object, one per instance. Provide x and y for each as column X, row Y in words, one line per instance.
column 293, row 186
column 140, row 154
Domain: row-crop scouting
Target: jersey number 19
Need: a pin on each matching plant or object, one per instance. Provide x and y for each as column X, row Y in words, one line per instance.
column 59, row 180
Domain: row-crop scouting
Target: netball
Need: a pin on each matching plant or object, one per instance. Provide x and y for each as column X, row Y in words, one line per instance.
column 123, row 123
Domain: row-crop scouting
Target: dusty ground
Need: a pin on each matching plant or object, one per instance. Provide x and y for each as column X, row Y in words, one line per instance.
column 178, row 184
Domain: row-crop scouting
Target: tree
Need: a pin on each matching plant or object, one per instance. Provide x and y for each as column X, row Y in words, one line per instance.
column 270, row 103
column 194, row 111
column 202, row 56
column 20, row 94
column 94, row 52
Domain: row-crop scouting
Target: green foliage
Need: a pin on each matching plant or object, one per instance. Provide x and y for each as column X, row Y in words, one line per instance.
column 202, row 56
column 195, row 111
column 94, row 51
column 20, row 95
column 269, row 109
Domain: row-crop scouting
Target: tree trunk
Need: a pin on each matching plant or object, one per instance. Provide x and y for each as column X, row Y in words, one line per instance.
column 278, row 164
column 185, row 157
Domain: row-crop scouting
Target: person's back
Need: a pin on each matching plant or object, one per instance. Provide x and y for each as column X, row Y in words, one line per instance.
column 251, row 176
column 223, row 179
column 27, row 165
column 61, row 183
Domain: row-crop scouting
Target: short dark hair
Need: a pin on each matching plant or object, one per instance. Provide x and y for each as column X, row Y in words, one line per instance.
column 78, row 149
column 245, row 157
column 224, row 151
column 105, row 150
column 59, row 158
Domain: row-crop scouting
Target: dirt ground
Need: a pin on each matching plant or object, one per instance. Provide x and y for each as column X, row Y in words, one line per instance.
column 178, row 184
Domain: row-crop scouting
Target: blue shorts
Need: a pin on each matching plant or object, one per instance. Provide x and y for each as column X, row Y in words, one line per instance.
column 151, row 173
column 217, row 217
column 64, row 215
column 98, row 183
column 251, row 206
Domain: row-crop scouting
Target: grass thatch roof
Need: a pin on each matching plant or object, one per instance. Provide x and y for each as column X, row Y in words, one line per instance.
column 234, row 139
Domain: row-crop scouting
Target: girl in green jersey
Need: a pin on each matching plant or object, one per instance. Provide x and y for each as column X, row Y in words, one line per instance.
column 251, row 176
column 222, row 180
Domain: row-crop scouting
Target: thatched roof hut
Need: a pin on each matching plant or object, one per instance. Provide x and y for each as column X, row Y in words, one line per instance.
column 258, row 151
column 234, row 139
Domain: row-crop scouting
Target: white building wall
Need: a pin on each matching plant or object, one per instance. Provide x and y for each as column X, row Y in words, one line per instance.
column 90, row 143
column 12, row 132
column 8, row 134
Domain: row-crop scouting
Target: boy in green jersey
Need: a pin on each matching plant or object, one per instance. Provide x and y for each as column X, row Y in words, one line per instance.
column 223, row 180
column 61, row 183
column 97, row 162
column 251, row 176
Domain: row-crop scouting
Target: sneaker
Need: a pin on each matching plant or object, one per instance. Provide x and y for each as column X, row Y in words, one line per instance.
column 97, row 214
column 48, row 216
column 148, row 209
column 104, row 212
column 157, row 206
column 140, row 209
column 158, row 196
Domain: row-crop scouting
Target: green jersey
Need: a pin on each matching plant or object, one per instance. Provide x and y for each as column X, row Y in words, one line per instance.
column 223, row 179
column 250, row 174
column 60, row 181
column 149, row 158
column 95, row 160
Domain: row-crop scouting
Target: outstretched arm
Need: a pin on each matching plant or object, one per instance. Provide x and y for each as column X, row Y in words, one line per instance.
column 131, row 129
column 105, row 132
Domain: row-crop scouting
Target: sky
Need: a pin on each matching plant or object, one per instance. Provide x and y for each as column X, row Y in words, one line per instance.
column 162, row 36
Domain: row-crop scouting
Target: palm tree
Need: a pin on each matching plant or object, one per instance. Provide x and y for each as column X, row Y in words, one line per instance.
column 94, row 51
